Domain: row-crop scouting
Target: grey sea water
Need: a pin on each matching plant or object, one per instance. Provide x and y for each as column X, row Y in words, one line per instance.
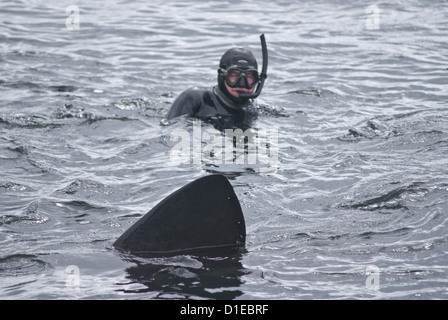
column 356, row 209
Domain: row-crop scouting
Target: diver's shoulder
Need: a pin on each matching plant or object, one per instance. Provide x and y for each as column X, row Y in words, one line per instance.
column 197, row 94
column 198, row 90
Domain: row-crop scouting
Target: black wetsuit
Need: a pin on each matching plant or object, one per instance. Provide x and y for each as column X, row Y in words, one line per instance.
column 213, row 106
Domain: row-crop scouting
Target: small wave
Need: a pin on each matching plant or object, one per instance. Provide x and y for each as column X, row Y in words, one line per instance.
column 410, row 125
column 15, row 187
column 271, row 110
column 77, row 196
column 314, row 91
column 69, row 111
column 396, row 232
column 144, row 106
column 23, row 85
column 390, row 200
column 122, row 110
column 131, row 104
column 82, row 186
column 36, row 87
column 79, row 205
column 27, row 121
column 22, row 265
column 63, row 88
column 30, row 216
column 26, row 219
column 370, row 130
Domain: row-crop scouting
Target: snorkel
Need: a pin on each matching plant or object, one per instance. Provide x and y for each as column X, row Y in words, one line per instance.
column 263, row 74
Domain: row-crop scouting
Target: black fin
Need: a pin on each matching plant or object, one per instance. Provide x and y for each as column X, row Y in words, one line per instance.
column 204, row 214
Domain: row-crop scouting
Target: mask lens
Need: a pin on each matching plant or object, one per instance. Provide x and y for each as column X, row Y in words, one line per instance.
column 252, row 77
column 234, row 75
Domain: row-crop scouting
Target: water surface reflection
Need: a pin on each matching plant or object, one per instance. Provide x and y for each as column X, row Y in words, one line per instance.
column 213, row 276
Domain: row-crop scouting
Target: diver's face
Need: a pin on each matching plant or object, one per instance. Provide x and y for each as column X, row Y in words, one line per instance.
column 240, row 81
column 236, row 91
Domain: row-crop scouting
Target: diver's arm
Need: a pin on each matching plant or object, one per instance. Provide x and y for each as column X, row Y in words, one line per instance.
column 188, row 102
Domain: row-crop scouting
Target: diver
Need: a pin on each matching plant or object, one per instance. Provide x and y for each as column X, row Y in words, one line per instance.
column 229, row 104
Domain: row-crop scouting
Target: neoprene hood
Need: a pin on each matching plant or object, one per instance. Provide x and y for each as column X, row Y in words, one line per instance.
column 243, row 59
column 235, row 58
